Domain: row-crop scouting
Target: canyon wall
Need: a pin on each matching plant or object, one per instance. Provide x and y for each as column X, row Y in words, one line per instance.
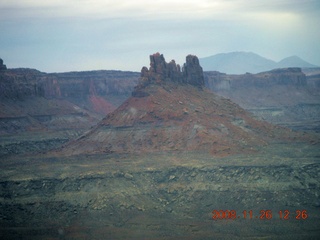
column 282, row 96
column 21, row 83
column 40, row 111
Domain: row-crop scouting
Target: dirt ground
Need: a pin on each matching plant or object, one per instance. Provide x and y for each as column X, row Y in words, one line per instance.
column 163, row 196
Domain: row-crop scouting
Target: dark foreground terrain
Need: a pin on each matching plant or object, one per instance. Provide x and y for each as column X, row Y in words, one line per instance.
column 163, row 196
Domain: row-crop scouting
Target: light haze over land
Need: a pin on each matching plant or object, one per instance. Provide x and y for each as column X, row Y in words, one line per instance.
column 67, row 35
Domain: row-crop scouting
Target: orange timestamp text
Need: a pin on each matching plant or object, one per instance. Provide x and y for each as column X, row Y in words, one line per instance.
column 262, row 215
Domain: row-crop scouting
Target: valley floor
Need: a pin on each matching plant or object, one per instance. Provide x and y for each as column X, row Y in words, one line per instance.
column 163, row 196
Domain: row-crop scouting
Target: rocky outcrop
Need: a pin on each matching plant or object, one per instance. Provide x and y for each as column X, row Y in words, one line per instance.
column 281, row 77
column 35, row 101
column 22, row 83
column 102, row 83
column 314, row 81
column 161, row 72
column 192, row 71
column 2, row 66
column 282, row 96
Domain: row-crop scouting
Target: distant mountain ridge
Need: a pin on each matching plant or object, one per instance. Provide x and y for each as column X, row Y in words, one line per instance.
column 242, row 62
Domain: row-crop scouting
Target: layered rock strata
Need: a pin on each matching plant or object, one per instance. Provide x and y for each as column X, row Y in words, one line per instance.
column 282, row 96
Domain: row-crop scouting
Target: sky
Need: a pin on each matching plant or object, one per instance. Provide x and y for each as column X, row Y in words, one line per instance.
column 78, row 35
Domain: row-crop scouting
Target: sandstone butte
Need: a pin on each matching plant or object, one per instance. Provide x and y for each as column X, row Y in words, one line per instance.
column 171, row 110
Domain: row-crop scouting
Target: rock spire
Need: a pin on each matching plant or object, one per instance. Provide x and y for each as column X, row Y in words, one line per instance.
column 161, row 72
column 2, row 66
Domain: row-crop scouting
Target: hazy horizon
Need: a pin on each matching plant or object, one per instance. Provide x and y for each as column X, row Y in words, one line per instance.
column 70, row 35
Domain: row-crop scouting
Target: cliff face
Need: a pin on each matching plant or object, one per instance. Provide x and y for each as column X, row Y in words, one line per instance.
column 313, row 78
column 55, row 107
column 21, row 83
column 32, row 101
column 278, row 77
column 282, row 96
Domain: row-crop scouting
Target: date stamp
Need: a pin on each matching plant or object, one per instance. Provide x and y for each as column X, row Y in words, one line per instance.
column 264, row 214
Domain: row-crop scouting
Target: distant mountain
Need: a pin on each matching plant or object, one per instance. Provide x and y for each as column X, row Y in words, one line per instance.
column 242, row 62
column 294, row 61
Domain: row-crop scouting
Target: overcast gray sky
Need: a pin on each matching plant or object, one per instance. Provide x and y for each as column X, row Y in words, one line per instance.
column 75, row 35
